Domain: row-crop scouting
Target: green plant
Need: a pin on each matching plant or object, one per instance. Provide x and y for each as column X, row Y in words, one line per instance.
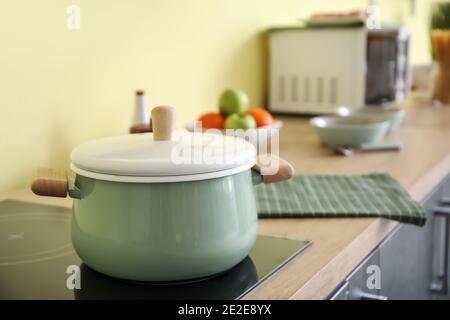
column 440, row 16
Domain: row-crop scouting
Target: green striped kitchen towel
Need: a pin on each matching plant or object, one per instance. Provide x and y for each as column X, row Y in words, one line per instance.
column 372, row 195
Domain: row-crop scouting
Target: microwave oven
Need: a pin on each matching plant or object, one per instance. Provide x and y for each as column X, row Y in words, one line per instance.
column 314, row 70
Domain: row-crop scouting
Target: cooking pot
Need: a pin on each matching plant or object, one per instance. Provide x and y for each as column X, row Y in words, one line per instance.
column 164, row 206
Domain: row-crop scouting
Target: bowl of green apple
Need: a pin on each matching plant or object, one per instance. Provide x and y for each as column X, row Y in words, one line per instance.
column 237, row 118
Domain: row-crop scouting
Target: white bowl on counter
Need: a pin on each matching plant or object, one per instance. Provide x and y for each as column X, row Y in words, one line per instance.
column 349, row 131
column 394, row 115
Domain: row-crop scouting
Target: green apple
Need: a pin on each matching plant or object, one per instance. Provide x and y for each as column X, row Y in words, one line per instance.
column 240, row 121
column 233, row 101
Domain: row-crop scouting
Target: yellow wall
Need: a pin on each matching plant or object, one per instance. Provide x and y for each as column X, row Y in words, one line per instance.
column 59, row 88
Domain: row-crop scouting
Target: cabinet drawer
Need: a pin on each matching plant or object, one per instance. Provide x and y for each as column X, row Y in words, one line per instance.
column 405, row 260
column 438, row 207
column 407, row 255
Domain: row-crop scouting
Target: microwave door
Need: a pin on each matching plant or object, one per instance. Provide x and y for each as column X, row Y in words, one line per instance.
column 381, row 69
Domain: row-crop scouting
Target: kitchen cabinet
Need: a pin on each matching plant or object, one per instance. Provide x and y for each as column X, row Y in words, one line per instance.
column 405, row 263
column 408, row 256
column 440, row 209
column 414, row 261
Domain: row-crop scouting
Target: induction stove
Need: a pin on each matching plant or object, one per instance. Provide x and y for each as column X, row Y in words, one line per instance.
column 37, row 261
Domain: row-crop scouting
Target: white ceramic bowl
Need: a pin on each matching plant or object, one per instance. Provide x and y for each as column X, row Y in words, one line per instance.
column 349, row 131
column 394, row 115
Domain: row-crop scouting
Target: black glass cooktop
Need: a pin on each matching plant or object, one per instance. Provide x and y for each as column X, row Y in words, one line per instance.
column 37, row 261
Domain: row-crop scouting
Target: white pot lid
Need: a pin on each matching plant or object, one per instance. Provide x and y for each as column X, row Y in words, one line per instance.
column 187, row 156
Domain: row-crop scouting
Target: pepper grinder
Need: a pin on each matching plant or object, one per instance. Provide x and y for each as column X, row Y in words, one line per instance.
column 141, row 118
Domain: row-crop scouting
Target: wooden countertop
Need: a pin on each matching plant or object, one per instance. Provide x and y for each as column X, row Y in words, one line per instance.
column 340, row 244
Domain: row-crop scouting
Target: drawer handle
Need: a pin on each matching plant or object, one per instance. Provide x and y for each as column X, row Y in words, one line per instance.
column 441, row 211
column 440, row 284
column 358, row 294
column 370, row 296
column 445, row 201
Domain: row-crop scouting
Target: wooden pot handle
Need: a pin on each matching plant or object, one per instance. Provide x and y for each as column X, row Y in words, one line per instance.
column 265, row 166
column 163, row 123
column 50, row 183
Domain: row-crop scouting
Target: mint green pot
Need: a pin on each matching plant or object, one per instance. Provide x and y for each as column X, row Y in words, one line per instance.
column 165, row 231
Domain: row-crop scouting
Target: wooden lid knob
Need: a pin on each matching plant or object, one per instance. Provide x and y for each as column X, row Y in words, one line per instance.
column 163, row 123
